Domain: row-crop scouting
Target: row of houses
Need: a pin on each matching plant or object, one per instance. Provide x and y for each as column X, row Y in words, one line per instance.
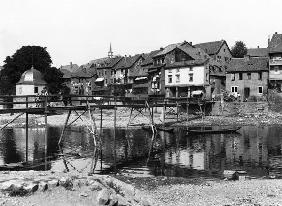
column 177, row 70
column 181, row 70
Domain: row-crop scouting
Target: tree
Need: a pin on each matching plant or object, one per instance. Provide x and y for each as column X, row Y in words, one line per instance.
column 24, row 59
column 239, row 50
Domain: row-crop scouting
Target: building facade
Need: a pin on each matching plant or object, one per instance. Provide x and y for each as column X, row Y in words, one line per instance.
column 275, row 61
column 248, row 76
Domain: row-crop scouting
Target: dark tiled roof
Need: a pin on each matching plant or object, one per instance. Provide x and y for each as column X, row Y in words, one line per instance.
column 81, row 73
column 244, row 64
column 195, row 53
column 66, row 73
column 258, row 52
column 127, row 61
column 71, row 67
column 275, row 44
column 149, row 58
column 211, row 48
column 109, row 62
column 171, row 47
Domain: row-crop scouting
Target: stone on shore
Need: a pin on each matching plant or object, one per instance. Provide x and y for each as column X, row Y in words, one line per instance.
column 103, row 197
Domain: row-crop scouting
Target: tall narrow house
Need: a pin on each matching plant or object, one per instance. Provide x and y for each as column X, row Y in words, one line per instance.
column 275, row 61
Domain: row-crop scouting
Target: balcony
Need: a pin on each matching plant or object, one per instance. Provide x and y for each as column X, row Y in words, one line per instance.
column 275, row 62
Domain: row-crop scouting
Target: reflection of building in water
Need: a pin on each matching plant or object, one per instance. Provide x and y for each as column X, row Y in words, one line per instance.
column 247, row 150
column 191, row 157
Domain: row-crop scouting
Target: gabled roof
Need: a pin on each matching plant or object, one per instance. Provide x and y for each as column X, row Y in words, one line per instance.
column 127, row 61
column 251, row 64
column 258, row 52
column 275, row 44
column 195, row 53
column 211, row 48
column 171, row 47
column 108, row 62
column 149, row 58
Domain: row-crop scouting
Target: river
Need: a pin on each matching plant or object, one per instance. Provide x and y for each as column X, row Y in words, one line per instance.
column 256, row 150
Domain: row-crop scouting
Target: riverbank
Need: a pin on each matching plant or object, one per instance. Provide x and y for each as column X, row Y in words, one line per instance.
column 82, row 189
column 255, row 119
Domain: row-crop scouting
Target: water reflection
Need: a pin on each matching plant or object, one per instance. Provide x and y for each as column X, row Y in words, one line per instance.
column 256, row 150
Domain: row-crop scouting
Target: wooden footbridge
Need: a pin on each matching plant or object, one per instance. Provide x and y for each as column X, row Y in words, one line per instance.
column 54, row 104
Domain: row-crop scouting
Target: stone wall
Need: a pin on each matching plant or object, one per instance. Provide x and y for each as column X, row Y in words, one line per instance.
column 235, row 108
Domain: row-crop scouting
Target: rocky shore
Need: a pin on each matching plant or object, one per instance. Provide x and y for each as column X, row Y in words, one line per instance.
column 53, row 188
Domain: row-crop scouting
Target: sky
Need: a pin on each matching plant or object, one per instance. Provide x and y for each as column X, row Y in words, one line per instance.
column 78, row 31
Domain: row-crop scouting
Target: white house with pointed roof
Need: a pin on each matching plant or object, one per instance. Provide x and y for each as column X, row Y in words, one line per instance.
column 31, row 83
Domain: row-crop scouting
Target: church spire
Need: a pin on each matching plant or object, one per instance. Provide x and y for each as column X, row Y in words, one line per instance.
column 110, row 53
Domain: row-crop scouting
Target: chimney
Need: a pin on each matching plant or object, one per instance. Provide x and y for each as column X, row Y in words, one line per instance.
column 276, row 32
column 268, row 41
column 191, row 43
column 161, row 48
column 71, row 65
column 258, row 47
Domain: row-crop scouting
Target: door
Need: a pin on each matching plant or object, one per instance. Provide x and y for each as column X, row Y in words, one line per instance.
column 246, row 92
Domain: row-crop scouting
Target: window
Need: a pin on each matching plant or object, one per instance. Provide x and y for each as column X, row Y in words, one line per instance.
column 177, row 70
column 177, row 77
column 190, row 77
column 249, row 76
column 232, row 77
column 226, row 59
column 35, row 90
column 169, row 78
column 105, row 72
column 170, row 71
column 260, row 90
column 260, row 76
column 207, row 77
column 191, row 69
column 20, row 90
column 234, row 89
column 240, row 76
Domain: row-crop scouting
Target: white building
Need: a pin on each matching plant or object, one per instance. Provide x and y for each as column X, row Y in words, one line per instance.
column 31, row 83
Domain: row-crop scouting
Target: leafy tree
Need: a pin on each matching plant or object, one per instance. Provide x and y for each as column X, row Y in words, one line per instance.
column 239, row 50
column 24, row 59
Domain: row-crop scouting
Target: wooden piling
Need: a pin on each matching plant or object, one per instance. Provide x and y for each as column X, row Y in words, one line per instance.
column 115, row 124
column 26, row 131
column 177, row 111
column 64, row 128
column 46, row 133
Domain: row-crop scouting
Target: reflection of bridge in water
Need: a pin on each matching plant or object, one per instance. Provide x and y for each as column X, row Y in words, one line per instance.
column 48, row 105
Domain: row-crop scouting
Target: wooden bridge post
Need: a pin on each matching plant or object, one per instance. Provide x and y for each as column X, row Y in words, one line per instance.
column 101, row 126
column 115, row 124
column 164, row 107
column 177, row 111
column 26, row 131
column 46, row 132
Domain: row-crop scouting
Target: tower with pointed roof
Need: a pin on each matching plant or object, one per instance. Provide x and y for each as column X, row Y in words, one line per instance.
column 110, row 53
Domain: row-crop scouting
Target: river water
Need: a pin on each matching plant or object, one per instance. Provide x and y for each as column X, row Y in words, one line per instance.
column 135, row 152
